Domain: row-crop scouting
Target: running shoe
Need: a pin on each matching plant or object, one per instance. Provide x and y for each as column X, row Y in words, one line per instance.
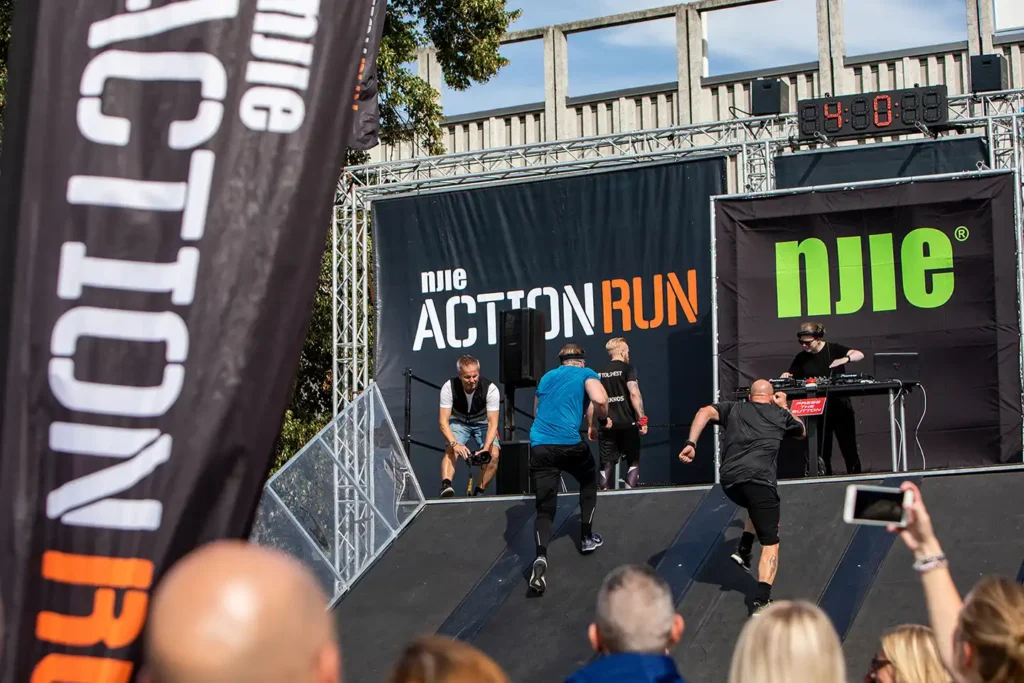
column 591, row 543
column 741, row 558
column 537, row 580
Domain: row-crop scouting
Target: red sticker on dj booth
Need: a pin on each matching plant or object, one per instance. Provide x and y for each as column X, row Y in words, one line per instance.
column 804, row 407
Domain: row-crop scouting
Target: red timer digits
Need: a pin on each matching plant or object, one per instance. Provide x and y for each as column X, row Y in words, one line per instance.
column 886, row 113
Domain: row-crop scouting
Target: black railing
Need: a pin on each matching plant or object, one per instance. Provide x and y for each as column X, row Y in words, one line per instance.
column 407, row 439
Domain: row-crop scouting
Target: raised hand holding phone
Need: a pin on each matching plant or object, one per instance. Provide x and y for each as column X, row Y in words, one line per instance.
column 917, row 532
column 878, row 506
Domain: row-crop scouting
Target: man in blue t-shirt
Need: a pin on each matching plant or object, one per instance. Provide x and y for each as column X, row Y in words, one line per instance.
column 564, row 396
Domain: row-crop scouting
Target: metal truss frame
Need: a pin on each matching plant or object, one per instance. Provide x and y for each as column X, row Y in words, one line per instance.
column 751, row 144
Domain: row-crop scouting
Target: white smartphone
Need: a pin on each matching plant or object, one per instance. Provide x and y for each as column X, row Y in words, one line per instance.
column 876, row 505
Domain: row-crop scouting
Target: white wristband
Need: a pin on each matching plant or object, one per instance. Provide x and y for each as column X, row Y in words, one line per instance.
column 930, row 562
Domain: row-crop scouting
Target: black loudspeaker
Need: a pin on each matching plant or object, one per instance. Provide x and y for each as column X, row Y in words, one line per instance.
column 769, row 97
column 521, row 347
column 513, row 477
column 989, row 73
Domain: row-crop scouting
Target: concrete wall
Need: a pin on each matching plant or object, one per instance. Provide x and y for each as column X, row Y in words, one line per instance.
column 696, row 98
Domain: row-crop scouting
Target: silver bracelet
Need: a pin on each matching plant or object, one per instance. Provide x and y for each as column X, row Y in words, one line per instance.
column 930, row 562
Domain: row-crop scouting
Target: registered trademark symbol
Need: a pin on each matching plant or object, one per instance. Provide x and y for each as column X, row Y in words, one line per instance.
column 961, row 234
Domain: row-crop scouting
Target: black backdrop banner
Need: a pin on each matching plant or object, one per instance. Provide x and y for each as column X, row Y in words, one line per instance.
column 165, row 202
column 925, row 266
column 880, row 161
column 621, row 253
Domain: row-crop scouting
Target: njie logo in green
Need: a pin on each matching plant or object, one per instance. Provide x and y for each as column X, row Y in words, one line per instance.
column 925, row 272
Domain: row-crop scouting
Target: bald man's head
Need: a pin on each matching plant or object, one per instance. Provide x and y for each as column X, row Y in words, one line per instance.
column 761, row 391
column 233, row 611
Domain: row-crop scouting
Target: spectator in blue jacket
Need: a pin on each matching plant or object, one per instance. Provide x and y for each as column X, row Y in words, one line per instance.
column 635, row 626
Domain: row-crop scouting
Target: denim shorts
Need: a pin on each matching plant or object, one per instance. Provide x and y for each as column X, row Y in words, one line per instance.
column 464, row 431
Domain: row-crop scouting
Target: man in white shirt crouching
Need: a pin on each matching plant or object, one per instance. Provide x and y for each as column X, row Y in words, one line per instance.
column 469, row 410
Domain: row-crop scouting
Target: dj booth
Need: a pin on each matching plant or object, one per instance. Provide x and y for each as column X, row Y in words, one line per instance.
column 809, row 398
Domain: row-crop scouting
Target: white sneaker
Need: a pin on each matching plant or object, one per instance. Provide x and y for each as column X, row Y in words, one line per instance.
column 537, row 580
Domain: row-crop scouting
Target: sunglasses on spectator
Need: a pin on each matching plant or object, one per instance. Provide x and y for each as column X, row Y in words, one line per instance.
column 877, row 664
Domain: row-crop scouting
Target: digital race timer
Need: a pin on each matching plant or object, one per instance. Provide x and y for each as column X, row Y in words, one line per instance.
column 883, row 113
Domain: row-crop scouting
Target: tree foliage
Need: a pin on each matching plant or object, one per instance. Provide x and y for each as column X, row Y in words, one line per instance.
column 466, row 35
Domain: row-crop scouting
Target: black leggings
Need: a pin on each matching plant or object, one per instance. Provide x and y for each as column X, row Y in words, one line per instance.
column 546, row 466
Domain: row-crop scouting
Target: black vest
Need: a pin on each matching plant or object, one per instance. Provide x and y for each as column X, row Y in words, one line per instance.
column 477, row 412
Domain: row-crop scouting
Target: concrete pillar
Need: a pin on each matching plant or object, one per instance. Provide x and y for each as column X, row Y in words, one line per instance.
column 831, row 47
column 556, row 84
column 428, row 68
column 986, row 25
column 683, row 89
column 697, row 39
column 981, row 24
column 973, row 34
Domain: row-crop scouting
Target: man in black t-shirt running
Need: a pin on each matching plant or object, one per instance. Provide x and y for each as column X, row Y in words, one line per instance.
column 753, row 432
column 820, row 358
column 619, row 436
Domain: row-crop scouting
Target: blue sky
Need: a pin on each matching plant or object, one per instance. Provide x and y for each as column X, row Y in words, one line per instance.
column 773, row 34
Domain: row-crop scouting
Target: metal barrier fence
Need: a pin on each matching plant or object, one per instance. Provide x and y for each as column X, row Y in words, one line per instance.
column 344, row 498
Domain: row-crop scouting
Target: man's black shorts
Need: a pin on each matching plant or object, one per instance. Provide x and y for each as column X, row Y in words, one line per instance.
column 762, row 503
column 619, row 443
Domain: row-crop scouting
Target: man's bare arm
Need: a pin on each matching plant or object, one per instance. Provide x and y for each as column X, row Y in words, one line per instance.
column 635, row 398
column 598, row 397
column 492, row 429
column 852, row 356
column 781, row 400
column 445, row 418
column 803, row 434
column 590, row 415
column 700, row 421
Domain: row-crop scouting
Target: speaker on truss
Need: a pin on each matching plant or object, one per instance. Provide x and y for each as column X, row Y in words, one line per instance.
column 989, row 73
column 769, row 97
column 521, row 347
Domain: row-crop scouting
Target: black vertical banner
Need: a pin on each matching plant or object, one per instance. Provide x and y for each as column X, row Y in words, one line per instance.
column 621, row 253
column 927, row 266
column 366, row 122
column 166, row 189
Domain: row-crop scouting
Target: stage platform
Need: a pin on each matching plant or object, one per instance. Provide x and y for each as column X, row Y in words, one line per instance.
column 460, row 569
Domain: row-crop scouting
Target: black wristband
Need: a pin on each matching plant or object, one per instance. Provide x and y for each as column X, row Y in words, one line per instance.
column 690, row 443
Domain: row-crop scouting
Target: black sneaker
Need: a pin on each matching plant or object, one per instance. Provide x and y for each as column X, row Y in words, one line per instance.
column 591, row 543
column 760, row 607
column 537, row 580
column 741, row 558
column 447, row 491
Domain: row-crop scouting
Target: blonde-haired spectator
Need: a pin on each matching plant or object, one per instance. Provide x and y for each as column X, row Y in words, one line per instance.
column 908, row 654
column 788, row 642
column 980, row 639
